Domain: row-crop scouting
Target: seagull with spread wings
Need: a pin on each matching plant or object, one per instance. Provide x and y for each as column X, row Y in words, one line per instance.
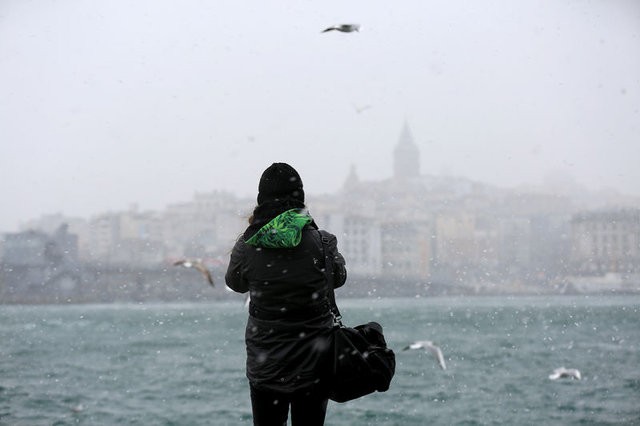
column 565, row 373
column 429, row 346
column 344, row 28
column 360, row 109
column 196, row 264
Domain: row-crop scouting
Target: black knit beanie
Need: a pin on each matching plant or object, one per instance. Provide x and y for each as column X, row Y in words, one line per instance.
column 280, row 181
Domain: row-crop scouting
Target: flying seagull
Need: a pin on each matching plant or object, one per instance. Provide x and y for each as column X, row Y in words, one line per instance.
column 344, row 28
column 428, row 346
column 360, row 109
column 77, row 408
column 565, row 373
column 191, row 263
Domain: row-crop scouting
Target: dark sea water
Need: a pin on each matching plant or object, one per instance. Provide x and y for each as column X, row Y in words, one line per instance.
column 170, row 364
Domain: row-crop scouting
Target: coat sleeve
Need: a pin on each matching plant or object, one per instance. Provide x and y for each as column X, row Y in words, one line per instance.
column 234, row 277
column 339, row 270
column 339, row 264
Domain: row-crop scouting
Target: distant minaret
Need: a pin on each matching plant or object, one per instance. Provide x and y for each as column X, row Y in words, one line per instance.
column 406, row 156
column 352, row 180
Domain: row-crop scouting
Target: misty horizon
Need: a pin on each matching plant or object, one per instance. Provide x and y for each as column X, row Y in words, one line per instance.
column 553, row 184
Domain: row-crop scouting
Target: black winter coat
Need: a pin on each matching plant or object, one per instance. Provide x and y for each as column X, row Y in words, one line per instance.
column 289, row 321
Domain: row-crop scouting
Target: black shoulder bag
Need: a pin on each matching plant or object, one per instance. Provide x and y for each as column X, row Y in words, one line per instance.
column 359, row 361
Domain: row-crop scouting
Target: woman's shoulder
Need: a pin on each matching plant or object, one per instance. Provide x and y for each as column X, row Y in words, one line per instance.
column 326, row 234
column 327, row 238
column 239, row 246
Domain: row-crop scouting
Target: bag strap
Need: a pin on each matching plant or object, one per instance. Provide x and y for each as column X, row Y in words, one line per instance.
column 328, row 272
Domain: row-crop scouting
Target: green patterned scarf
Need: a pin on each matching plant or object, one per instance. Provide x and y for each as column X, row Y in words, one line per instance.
column 283, row 231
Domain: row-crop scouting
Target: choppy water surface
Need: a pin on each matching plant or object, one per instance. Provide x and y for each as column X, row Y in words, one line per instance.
column 184, row 364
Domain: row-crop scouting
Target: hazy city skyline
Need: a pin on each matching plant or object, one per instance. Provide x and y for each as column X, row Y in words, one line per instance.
column 105, row 105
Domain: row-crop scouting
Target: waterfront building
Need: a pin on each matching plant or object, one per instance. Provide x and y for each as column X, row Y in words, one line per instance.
column 205, row 227
column 606, row 241
column 130, row 237
column 25, row 248
column 38, row 266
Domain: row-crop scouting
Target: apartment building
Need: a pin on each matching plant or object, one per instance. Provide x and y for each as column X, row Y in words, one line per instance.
column 606, row 241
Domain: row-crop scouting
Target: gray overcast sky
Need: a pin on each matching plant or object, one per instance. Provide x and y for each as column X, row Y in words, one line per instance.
column 103, row 104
